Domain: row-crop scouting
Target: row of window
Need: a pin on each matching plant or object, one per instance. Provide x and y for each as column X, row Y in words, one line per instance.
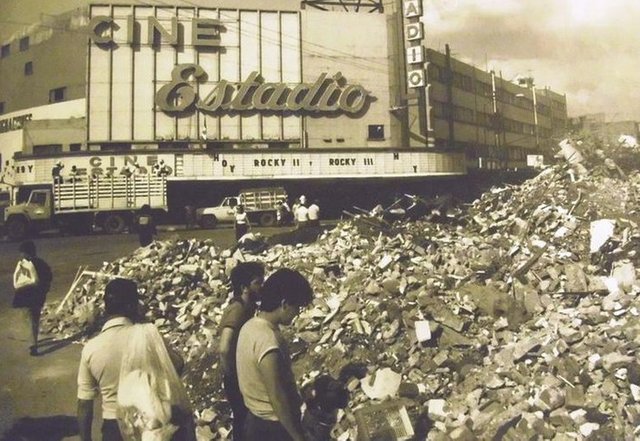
column 490, row 120
column 474, row 150
column 55, row 96
column 464, row 82
column 23, row 44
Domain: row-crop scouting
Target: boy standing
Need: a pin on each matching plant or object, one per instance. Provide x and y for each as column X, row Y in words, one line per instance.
column 246, row 279
column 264, row 363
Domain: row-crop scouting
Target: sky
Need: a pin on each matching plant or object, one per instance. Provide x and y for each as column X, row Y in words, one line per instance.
column 587, row 49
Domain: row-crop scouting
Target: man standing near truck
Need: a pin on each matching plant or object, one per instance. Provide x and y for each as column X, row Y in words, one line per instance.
column 241, row 222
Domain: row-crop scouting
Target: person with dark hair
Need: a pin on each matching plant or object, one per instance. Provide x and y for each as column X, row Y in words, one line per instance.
column 32, row 281
column 56, row 173
column 99, row 370
column 246, row 280
column 263, row 361
column 241, row 222
column 145, row 226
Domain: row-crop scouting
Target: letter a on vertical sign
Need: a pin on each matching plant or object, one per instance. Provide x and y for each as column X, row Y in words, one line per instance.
column 415, row 78
column 412, row 8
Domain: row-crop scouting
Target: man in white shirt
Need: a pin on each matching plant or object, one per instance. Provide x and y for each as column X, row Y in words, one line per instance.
column 314, row 214
column 302, row 215
column 99, row 370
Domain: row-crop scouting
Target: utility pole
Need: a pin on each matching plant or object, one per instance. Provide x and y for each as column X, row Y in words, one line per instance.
column 450, row 114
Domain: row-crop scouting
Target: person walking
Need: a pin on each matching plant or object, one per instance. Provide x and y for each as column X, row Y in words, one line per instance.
column 313, row 212
column 241, row 222
column 145, row 226
column 100, row 361
column 31, row 281
column 263, row 361
column 246, row 280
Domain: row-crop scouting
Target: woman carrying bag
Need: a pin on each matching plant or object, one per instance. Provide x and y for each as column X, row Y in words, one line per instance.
column 31, row 282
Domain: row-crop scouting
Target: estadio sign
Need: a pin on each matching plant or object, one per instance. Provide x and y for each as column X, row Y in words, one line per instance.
column 326, row 94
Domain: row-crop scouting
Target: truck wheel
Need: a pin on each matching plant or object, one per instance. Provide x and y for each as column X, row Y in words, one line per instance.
column 208, row 221
column 267, row 219
column 114, row 224
column 17, row 228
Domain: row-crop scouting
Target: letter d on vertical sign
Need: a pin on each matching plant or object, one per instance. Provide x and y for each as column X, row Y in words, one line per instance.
column 414, row 31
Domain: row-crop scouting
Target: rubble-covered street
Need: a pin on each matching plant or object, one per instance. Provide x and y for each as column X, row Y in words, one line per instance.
column 517, row 317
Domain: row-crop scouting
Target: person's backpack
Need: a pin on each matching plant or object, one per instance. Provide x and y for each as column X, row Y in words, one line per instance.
column 25, row 275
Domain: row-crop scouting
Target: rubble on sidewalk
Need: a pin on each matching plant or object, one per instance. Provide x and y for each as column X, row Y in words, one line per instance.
column 516, row 325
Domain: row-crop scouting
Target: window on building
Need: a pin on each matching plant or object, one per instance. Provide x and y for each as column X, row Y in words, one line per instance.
column 47, row 149
column 57, row 95
column 1, row 107
column 5, row 51
column 28, row 68
column 24, row 44
column 75, row 147
column 376, row 132
column 115, row 147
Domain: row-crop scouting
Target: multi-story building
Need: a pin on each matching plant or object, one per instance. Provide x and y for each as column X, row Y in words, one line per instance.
column 496, row 122
column 224, row 94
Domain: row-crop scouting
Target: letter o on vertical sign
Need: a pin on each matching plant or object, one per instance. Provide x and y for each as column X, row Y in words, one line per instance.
column 415, row 78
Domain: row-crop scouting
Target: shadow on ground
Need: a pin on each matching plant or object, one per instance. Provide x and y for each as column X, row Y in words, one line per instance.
column 49, row 345
column 52, row 428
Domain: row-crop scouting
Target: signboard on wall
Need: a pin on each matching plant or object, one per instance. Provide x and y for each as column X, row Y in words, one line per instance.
column 249, row 165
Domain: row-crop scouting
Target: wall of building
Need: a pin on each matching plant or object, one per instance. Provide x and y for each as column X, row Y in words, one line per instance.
column 357, row 48
column 498, row 132
column 13, row 129
column 57, row 54
column 45, row 137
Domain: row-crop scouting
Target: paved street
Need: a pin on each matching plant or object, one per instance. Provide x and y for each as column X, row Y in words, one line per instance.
column 44, row 386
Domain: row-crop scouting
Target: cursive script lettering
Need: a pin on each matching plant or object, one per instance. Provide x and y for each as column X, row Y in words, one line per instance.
column 325, row 94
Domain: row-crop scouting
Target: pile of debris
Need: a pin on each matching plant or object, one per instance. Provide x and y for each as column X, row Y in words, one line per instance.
column 519, row 321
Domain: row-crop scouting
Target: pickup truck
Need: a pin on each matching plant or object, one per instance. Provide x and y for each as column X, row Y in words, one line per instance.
column 259, row 203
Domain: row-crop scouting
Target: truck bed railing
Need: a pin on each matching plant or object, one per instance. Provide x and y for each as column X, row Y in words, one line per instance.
column 262, row 199
column 110, row 193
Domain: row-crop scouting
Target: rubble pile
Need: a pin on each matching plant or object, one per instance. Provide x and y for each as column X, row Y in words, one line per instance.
column 522, row 323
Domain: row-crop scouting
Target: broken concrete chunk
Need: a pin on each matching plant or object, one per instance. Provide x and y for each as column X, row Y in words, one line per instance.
column 437, row 409
column 624, row 273
column 383, row 384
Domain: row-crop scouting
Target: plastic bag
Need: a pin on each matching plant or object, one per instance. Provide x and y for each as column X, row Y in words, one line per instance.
column 152, row 402
column 25, row 275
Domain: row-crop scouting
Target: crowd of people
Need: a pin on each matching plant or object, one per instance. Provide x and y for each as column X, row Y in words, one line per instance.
column 129, row 366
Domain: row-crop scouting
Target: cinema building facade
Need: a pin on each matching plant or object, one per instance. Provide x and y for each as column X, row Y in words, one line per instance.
column 230, row 97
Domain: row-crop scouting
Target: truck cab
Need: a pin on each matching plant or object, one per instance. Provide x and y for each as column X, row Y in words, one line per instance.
column 209, row 217
column 35, row 213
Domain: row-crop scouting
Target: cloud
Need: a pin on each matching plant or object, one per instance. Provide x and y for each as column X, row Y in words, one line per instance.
column 584, row 48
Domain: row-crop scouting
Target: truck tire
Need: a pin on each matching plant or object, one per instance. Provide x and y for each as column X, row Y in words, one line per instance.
column 267, row 219
column 114, row 224
column 208, row 221
column 17, row 228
